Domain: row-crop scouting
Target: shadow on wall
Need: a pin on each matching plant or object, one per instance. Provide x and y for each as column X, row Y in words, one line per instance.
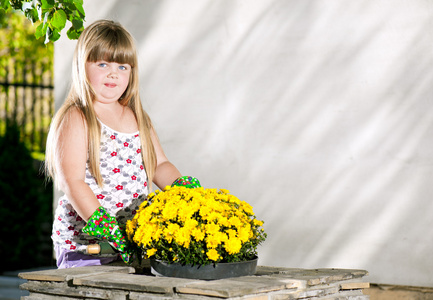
column 313, row 112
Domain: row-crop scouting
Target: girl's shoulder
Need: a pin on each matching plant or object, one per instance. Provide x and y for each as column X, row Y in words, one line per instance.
column 72, row 136
column 73, row 118
column 73, row 111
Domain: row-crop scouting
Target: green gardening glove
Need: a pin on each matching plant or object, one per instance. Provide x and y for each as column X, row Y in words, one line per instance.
column 104, row 226
column 187, row 181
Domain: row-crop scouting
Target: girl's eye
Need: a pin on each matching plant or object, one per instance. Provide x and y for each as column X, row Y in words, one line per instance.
column 123, row 68
column 102, row 65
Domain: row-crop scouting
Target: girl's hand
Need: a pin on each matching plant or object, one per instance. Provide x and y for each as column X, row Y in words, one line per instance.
column 105, row 227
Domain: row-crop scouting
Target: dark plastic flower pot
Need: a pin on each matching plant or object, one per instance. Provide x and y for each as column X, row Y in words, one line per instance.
column 208, row 272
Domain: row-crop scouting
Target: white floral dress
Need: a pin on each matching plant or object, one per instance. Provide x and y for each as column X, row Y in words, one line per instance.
column 125, row 188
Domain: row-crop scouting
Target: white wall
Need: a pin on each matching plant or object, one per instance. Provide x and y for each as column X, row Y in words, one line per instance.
column 315, row 112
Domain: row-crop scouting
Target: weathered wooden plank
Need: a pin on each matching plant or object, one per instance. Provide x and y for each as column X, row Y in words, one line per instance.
column 149, row 296
column 319, row 276
column 67, row 274
column 36, row 296
column 130, row 282
column 63, row 289
column 267, row 270
column 354, row 285
column 235, row 287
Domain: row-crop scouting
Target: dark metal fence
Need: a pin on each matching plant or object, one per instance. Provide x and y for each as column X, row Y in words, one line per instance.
column 27, row 98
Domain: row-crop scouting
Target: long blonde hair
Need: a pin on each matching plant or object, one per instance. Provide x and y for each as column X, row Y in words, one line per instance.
column 109, row 41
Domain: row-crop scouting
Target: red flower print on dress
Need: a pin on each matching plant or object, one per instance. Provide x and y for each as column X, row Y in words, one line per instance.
column 129, row 161
column 79, row 218
column 119, row 187
column 59, row 218
column 113, row 137
column 71, row 227
column 114, row 153
column 125, row 144
column 138, row 150
column 73, row 247
column 133, row 177
column 58, row 232
column 116, row 170
column 72, row 213
column 134, row 212
column 141, row 167
column 136, row 135
column 119, row 204
column 100, row 196
column 68, row 242
column 135, row 195
column 76, row 233
column 145, row 183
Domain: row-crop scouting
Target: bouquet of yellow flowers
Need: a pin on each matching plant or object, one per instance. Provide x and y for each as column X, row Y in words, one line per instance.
column 196, row 226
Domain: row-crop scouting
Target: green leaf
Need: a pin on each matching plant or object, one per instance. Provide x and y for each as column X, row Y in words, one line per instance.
column 77, row 23
column 5, row 4
column 47, row 4
column 41, row 30
column 73, row 33
column 59, row 20
column 52, row 35
column 79, row 6
column 32, row 14
column 80, row 2
column 55, row 35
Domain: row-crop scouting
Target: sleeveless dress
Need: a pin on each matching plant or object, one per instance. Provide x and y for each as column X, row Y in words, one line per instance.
column 125, row 188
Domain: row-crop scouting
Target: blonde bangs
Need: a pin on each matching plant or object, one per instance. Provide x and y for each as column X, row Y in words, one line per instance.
column 113, row 45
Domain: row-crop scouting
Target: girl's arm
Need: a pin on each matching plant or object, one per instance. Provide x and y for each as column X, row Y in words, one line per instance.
column 71, row 158
column 165, row 172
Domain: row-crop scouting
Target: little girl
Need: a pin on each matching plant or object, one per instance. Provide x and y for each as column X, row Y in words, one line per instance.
column 102, row 149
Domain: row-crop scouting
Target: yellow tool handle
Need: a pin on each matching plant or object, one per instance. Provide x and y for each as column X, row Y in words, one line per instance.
column 93, row 249
column 102, row 248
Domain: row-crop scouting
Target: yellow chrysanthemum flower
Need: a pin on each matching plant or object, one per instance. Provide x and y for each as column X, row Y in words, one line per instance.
column 247, row 208
column 257, row 222
column 212, row 241
column 198, row 234
column 235, row 221
column 151, row 252
column 212, row 228
column 191, row 224
column 183, row 237
column 212, row 254
column 244, row 234
column 233, row 245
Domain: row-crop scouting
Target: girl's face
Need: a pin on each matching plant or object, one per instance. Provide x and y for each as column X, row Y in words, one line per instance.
column 109, row 80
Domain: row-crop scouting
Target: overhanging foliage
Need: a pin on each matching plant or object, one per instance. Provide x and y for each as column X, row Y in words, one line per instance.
column 49, row 16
